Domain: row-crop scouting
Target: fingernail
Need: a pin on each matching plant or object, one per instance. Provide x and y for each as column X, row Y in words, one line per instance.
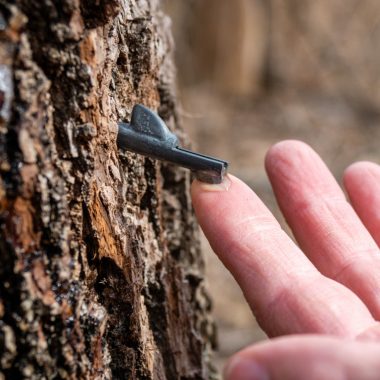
column 244, row 369
column 223, row 186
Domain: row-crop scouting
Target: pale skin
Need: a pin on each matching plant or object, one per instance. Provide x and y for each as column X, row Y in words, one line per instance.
column 318, row 301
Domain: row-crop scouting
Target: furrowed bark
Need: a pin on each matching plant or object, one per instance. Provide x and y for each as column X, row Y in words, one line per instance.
column 101, row 273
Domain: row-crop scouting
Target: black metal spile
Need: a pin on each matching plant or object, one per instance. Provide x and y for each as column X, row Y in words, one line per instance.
column 148, row 135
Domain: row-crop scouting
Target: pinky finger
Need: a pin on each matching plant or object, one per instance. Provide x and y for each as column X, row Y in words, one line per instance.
column 306, row 357
column 362, row 182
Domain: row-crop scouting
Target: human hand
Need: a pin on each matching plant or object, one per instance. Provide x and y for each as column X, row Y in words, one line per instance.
column 329, row 292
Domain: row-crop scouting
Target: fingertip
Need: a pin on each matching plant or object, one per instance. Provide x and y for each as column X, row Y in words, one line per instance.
column 360, row 177
column 361, row 180
column 243, row 368
column 297, row 173
column 198, row 187
column 306, row 357
column 356, row 171
column 220, row 212
column 206, row 196
column 283, row 150
column 209, row 200
column 360, row 165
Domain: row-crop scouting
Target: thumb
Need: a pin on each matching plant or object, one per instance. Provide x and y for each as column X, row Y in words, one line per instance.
column 306, row 357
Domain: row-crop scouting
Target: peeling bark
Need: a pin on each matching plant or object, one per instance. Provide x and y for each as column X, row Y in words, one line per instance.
column 101, row 274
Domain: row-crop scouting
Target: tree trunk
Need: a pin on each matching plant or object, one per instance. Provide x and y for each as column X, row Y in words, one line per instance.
column 101, row 273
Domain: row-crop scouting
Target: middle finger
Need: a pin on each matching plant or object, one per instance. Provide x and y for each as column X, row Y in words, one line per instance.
column 323, row 222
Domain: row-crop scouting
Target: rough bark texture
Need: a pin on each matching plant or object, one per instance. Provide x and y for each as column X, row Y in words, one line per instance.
column 101, row 273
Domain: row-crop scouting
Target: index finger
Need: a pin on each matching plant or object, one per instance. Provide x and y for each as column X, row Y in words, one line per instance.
column 285, row 291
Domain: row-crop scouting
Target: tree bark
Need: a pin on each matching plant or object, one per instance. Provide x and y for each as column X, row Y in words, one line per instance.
column 101, row 274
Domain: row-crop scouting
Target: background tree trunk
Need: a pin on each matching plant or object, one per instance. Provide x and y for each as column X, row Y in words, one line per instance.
column 101, row 273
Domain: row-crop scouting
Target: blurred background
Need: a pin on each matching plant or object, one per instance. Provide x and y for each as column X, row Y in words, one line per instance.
column 253, row 72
